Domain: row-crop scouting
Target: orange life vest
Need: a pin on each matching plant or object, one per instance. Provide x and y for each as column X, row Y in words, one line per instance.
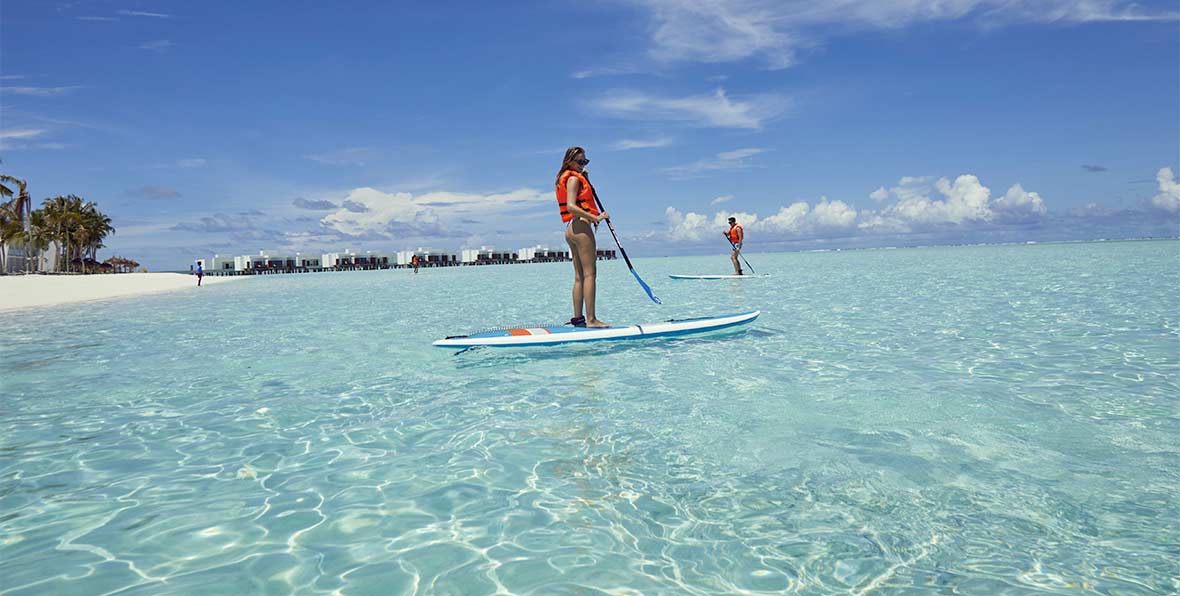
column 734, row 236
column 585, row 198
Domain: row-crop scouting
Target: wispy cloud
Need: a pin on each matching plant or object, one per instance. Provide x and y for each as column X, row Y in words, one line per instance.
column 153, row 192
column 20, row 138
column 714, row 110
column 218, row 222
column 352, row 156
column 587, row 73
column 140, row 13
column 303, row 203
column 370, row 213
column 1093, row 168
column 11, row 77
column 97, row 19
column 41, row 91
column 628, row 144
column 188, row 163
column 725, row 161
column 21, row 133
column 721, row 199
column 158, row 45
column 774, row 31
column 63, row 123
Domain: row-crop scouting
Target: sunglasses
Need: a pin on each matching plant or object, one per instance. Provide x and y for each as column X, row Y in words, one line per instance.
column 583, row 161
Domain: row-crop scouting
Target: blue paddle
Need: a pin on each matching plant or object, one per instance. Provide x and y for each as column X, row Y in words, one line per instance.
column 642, row 283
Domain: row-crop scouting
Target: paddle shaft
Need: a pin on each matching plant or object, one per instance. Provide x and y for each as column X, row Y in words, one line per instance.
column 739, row 252
column 611, row 227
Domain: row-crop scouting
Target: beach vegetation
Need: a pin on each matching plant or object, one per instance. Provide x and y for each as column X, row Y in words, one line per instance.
column 77, row 229
column 74, row 227
column 13, row 214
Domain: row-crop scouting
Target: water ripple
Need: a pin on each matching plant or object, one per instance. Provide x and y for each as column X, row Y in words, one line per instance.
column 984, row 420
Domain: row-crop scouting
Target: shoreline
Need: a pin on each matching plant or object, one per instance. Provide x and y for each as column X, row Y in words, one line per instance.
column 18, row 292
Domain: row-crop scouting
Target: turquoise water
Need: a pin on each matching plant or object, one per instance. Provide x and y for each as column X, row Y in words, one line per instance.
column 974, row 420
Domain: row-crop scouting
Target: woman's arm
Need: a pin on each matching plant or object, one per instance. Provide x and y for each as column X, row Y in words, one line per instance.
column 572, row 188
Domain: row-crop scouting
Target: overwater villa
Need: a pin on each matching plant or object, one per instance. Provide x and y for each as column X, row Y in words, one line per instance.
column 269, row 262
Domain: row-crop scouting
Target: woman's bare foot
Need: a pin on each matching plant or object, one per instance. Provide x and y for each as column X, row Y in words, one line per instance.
column 596, row 323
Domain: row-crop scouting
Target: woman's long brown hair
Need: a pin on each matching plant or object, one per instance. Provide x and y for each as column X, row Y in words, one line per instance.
column 567, row 162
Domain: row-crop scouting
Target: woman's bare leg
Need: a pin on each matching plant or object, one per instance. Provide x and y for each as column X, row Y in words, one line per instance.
column 579, row 276
column 586, row 248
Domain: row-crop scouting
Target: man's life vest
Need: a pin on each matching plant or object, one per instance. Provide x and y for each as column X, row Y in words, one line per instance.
column 585, row 197
column 735, row 234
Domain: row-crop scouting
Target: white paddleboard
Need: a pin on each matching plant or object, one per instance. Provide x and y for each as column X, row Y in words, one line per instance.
column 730, row 276
column 544, row 336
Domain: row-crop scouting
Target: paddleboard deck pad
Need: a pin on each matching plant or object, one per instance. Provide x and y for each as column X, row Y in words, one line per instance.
column 718, row 276
column 563, row 334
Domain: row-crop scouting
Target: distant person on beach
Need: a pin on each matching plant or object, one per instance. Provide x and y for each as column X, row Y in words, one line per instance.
column 579, row 212
column 200, row 274
column 415, row 261
column 736, row 236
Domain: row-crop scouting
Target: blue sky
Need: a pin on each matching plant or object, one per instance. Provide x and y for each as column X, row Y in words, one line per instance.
column 232, row 127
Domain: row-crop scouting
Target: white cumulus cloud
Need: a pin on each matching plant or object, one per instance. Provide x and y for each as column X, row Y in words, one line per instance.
column 796, row 219
column 965, row 199
column 917, row 205
column 689, row 226
column 1169, row 197
column 1019, row 205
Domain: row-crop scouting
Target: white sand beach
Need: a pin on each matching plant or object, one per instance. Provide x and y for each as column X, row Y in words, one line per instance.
column 31, row 291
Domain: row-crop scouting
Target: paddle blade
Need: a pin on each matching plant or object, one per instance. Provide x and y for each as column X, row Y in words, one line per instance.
column 645, row 287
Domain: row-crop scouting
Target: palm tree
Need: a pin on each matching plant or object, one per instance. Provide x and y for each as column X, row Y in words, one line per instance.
column 64, row 215
column 36, row 236
column 17, row 212
column 10, row 227
column 97, row 226
column 5, row 180
column 74, row 225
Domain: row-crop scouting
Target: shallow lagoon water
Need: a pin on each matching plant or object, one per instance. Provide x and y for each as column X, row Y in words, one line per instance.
column 966, row 420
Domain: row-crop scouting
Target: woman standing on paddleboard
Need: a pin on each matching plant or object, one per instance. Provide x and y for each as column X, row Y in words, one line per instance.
column 575, row 196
